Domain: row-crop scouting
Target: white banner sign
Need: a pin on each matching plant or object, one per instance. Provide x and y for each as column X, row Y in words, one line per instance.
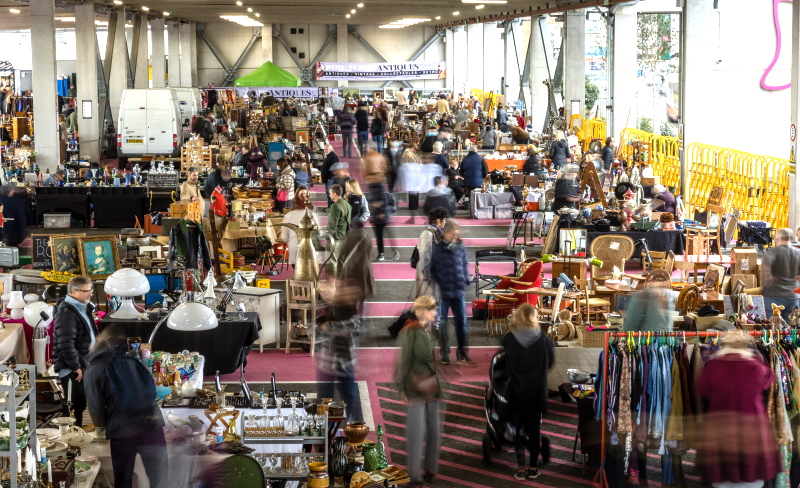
column 420, row 70
column 279, row 92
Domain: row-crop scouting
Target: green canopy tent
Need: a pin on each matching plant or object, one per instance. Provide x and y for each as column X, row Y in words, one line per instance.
column 268, row 75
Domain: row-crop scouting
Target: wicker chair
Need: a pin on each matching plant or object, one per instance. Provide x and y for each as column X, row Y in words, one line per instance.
column 612, row 250
column 658, row 278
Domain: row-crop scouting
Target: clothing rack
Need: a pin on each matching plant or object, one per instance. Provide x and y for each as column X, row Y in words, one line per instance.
column 601, row 480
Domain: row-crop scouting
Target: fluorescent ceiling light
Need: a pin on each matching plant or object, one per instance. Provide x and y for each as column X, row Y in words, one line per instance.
column 456, row 12
column 484, row 1
column 117, row 2
column 67, row 19
column 360, row 5
column 478, row 7
column 166, row 13
column 347, row 16
column 146, row 9
column 392, row 26
column 242, row 20
column 438, row 17
column 14, row 10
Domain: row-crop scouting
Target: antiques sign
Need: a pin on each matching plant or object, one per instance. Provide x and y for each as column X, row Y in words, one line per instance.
column 279, row 92
column 409, row 70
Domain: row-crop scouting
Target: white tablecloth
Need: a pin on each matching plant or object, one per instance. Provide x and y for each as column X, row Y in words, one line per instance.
column 12, row 343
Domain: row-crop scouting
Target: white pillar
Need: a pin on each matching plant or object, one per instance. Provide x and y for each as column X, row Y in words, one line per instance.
column 624, row 71
column 696, row 70
column 174, row 51
column 193, row 51
column 575, row 63
column 86, row 65
column 449, row 60
column 266, row 43
column 157, row 53
column 118, row 79
column 342, row 47
column 460, row 61
column 794, row 201
column 43, row 47
column 141, row 78
column 539, row 73
column 475, row 66
column 187, row 60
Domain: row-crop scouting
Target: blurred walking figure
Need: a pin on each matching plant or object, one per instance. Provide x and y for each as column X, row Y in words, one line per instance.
column 529, row 356
column 738, row 447
column 419, row 387
column 347, row 122
column 338, row 225
column 650, row 310
column 359, row 208
column 380, row 202
column 449, row 272
column 394, row 156
column 336, row 357
column 362, row 128
column 423, row 285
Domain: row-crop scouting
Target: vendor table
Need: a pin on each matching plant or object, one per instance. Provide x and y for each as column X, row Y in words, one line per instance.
column 230, row 240
column 267, row 303
column 12, row 343
column 657, row 240
column 569, row 355
column 501, row 164
column 55, row 199
column 486, row 205
column 225, row 347
column 113, row 206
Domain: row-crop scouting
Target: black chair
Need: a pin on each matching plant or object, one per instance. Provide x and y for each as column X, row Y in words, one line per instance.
column 492, row 256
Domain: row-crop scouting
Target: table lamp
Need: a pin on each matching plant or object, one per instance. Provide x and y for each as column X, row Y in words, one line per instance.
column 39, row 315
column 189, row 317
column 16, row 304
column 126, row 283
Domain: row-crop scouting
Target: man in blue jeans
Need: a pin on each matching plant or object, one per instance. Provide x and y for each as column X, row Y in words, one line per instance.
column 448, row 270
column 779, row 272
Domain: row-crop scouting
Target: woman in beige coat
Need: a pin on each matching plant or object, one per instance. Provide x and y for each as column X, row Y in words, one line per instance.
column 429, row 238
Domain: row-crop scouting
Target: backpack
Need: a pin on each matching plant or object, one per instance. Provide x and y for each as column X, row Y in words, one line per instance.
column 415, row 253
column 131, row 383
column 397, row 326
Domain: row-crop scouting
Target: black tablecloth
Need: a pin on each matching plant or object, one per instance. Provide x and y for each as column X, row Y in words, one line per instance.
column 113, row 206
column 79, row 204
column 224, row 348
column 118, row 210
column 657, row 240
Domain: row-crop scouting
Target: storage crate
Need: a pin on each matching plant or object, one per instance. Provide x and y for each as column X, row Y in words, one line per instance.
column 57, row 220
column 291, row 124
column 262, row 282
column 178, row 210
column 590, row 339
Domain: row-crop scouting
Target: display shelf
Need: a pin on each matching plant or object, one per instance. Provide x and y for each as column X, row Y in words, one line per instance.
column 285, row 440
column 10, row 405
column 19, row 397
column 322, row 440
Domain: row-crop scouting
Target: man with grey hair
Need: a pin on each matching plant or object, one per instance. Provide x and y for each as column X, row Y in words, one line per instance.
column 473, row 169
column 780, row 271
column 74, row 333
column 56, row 179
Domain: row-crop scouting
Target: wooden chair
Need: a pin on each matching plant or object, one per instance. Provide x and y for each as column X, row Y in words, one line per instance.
column 592, row 306
column 686, row 270
column 302, row 295
column 659, row 260
column 699, row 240
column 658, row 279
column 687, row 300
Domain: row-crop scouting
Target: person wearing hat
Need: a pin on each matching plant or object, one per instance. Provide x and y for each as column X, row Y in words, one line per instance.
column 661, row 193
column 779, row 272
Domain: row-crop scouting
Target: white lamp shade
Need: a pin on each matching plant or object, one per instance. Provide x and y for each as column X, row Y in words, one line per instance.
column 127, row 282
column 16, row 304
column 30, row 298
column 192, row 316
column 32, row 314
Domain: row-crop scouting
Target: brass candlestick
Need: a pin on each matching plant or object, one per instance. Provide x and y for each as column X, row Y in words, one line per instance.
column 70, row 410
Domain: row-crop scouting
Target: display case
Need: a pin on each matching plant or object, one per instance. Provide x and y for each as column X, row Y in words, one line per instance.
column 16, row 389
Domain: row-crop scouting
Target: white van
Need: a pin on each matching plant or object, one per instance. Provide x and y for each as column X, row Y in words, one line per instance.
column 149, row 122
column 190, row 105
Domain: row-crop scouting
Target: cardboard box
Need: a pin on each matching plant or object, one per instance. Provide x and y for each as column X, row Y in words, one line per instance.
column 749, row 280
column 745, row 260
column 655, row 180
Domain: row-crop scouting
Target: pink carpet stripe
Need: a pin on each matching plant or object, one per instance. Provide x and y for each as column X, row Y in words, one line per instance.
column 394, row 309
column 450, row 479
column 422, row 222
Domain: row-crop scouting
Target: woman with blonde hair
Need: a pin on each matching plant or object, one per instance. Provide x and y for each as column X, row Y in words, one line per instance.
column 560, row 154
column 529, row 355
column 359, row 208
column 419, row 387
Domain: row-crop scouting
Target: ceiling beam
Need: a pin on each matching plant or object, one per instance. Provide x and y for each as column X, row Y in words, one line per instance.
column 530, row 12
column 354, row 33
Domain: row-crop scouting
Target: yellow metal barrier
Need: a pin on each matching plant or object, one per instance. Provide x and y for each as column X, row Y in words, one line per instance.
column 576, row 129
column 593, row 129
column 664, row 154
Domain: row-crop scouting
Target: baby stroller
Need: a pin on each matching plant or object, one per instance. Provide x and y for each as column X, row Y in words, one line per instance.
column 497, row 409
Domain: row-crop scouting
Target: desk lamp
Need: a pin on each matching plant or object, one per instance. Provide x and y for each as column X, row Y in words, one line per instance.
column 126, row 283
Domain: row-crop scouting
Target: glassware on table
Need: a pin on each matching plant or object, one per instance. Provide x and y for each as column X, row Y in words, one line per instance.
column 293, row 419
column 273, row 461
column 251, row 426
column 320, row 425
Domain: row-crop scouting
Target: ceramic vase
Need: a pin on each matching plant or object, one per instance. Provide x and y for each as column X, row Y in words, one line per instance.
column 371, row 456
column 382, row 461
column 350, row 469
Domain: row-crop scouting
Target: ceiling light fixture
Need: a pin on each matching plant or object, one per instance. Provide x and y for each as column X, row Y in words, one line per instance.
column 478, row 7
column 456, row 12
column 353, row 11
column 438, row 17
column 166, row 13
column 347, row 16
column 242, row 20
column 484, row 1
column 239, row 3
column 258, row 14
column 146, row 9
column 117, row 2
column 360, row 5
column 249, row 9
column 14, row 10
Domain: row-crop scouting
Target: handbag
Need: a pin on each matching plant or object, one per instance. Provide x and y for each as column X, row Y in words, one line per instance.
column 282, row 195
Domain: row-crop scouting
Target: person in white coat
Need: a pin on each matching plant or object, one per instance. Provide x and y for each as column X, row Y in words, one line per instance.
column 429, row 238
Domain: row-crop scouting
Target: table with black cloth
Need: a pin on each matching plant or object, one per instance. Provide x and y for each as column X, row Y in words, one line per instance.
column 62, row 199
column 224, row 347
column 113, row 206
column 657, row 240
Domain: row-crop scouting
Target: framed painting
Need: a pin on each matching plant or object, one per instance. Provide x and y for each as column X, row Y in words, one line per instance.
column 98, row 255
column 65, row 253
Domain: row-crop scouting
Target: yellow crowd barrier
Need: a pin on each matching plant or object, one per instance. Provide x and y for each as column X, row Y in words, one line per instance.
column 758, row 186
column 593, row 129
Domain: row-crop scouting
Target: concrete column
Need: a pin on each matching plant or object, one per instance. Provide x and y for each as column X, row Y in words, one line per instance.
column 193, row 53
column 43, row 47
column 174, row 52
column 342, row 49
column 141, row 77
column 266, row 43
column 118, row 79
column 696, row 69
column 623, row 71
column 187, row 60
column 474, row 78
column 449, row 59
column 794, row 201
column 575, row 63
column 539, row 71
column 86, row 64
column 459, row 60
column 157, row 53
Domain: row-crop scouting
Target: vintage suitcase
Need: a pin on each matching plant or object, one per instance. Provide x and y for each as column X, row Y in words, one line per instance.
column 9, row 256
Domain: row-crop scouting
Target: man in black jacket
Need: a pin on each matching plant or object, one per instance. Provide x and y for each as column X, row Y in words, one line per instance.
column 74, row 333
column 127, row 412
column 331, row 158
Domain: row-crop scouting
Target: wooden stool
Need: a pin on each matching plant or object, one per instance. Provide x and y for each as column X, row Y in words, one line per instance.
column 302, row 295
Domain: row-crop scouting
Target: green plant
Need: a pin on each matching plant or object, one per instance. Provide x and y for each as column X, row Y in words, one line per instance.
column 592, row 94
column 666, row 129
column 645, row 124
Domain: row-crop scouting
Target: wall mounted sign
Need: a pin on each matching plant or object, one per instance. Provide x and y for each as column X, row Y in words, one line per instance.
column 404, row 70
column 279, row 92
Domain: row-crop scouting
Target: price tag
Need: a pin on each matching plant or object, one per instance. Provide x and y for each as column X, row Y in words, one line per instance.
column 745, row 264
column 614, row 246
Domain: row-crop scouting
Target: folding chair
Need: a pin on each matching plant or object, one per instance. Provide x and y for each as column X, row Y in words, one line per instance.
column 492, row 256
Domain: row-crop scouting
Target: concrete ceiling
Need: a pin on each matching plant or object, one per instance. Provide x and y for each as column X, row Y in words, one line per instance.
column 309, row 11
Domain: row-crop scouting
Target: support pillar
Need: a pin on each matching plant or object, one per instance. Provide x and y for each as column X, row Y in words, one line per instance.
column 794, row 201
column 118, row 78
column 193, row 52
column 187, row 60
column 475, row 41
column 342, row 48
column 86, row 64
column 157, row 61
column 575, row 63
column 174, row 52
column 459, row 61
column 623, row 72
column 141, row 78
column 43, row 47
column 539, row 56
column 449, row 60
column 266, row 44
column 696, row 69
